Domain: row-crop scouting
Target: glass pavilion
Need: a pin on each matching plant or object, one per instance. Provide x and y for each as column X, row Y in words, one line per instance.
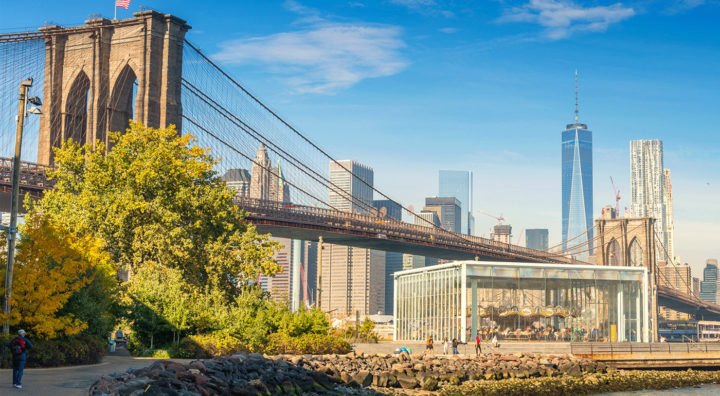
column 522, row 301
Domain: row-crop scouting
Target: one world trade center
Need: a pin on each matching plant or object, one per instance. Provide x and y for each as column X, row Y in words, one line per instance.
column 577, row 188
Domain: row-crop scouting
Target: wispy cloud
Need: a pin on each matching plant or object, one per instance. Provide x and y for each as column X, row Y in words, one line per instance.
column 424, row 7
column 448, row 30
column 323, row 56
column 560, row 19
column 680, row 6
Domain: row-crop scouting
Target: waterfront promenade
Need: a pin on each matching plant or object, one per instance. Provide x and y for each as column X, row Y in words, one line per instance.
column 73, row 380
column 619, row 355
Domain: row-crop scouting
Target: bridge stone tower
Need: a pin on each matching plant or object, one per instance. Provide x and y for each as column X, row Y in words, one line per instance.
column 104, row 73
column 630, row 242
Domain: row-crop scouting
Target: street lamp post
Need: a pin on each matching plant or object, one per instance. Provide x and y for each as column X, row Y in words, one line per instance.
column 14, row 198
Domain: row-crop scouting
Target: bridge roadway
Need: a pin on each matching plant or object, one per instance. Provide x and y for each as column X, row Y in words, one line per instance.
column 309, row 223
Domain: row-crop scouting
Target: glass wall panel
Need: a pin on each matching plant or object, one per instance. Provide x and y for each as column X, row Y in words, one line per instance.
column 521, row 302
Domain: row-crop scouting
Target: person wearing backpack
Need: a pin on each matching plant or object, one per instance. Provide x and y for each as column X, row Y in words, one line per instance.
column 18, row 347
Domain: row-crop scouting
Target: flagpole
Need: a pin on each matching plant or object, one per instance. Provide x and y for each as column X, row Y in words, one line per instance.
column 115, row 12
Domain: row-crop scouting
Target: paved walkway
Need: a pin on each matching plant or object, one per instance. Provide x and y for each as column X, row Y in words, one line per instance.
column 71, row 381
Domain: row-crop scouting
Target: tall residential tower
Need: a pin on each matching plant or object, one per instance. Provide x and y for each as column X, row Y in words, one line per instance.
column 577, row 186
column 647, row 189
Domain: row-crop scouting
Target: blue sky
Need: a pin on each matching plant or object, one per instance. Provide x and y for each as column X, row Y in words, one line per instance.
column 413, row 86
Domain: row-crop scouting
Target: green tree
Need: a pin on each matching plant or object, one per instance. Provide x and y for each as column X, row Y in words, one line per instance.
column 156, row 199
column 161, row 301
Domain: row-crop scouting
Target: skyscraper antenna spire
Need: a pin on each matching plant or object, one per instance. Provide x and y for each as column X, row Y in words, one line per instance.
column 576, row 96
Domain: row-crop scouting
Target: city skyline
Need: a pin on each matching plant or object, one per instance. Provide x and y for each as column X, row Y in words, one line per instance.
column 507, row 74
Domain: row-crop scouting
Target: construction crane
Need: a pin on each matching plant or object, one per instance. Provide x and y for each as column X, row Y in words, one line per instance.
column 517, row 242
column 499, row 219
column 617, row 197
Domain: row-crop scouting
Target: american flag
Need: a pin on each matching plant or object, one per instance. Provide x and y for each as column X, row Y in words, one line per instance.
column 122, row 3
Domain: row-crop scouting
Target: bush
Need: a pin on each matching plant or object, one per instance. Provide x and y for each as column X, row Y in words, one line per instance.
column 315, row 344
column 67, row 351
column 208, row 345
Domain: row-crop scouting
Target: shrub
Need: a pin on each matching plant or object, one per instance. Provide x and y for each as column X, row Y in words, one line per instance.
column 208, row 345
column 66, row 351
column 161, row 354
column 315, row 344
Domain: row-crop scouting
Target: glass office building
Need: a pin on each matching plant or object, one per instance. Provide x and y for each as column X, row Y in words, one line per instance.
column 577, row 190
column 522, row 302
column 458, row 184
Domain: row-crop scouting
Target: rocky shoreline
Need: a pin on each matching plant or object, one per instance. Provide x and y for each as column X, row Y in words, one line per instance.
column 354, row 373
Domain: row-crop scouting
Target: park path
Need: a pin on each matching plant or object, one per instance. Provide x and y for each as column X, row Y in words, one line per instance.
column 70, row 381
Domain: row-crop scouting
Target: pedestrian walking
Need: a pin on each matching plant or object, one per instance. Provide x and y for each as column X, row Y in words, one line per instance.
column 494, row 341
column 19, row 347
column 455, row 346
column 446, row 344
column 429, row 344
column 478, row 347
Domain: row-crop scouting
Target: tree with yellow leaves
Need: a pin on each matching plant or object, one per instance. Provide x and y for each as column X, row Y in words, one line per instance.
column 52, row 265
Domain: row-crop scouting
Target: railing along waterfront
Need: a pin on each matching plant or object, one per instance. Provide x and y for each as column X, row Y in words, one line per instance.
column 612, row 348
column 386, row 228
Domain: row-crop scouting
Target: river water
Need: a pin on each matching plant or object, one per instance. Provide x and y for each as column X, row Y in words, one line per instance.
column 703, row 390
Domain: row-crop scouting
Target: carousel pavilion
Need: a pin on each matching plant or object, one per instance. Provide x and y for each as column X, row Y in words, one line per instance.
column 521, row 302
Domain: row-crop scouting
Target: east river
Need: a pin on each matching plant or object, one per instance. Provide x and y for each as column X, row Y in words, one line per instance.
column 702, row 390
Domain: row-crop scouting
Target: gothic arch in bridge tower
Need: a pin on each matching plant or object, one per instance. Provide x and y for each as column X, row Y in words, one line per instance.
column 614, row 253
column 112, row 55
column 123, row 99
column 636, row 253
column 75, row 123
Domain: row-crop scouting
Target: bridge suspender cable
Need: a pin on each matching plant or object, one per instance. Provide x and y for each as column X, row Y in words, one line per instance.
column 247, row 157
column 274, row 147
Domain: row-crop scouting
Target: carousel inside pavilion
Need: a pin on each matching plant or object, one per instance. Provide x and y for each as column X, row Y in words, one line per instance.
column 521, row 302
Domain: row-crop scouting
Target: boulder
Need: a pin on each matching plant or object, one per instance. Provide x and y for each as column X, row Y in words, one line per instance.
column 407, row 382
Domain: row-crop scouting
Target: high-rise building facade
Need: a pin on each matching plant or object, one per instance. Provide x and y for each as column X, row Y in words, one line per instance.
column 353, row 279
column 502, row 233
column 537, row 238
column 669, row 222
column 646, row 185
column 448, row 211
column 267, row 182
column 280, row 286
column 354, row 188
column 678, row 277
column 458, row 184
column 238, row 180
column 709, row 284
column 393, row 260
column 577, row 187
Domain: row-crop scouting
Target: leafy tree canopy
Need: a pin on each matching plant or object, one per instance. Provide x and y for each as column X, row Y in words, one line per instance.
column 155, row 200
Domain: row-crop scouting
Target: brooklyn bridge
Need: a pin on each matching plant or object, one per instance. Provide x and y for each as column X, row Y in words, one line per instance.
column 94, row 78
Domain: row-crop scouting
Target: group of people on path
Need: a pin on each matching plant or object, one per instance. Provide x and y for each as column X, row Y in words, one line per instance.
column 453, row 345
column 18, row 347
